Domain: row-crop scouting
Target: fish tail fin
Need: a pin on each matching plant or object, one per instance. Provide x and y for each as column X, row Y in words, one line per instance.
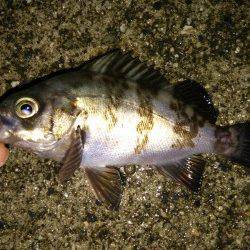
column 234, row 143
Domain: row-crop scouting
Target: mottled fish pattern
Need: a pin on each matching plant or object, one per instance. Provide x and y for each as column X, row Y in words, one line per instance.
column 115, row 111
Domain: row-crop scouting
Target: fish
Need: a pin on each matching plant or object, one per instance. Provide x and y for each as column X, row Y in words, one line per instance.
column 113, row 111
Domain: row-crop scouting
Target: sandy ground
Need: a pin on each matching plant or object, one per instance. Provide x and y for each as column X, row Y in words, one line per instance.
column 200, row 40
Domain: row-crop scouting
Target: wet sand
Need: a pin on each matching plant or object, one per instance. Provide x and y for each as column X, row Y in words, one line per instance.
column 200, row 40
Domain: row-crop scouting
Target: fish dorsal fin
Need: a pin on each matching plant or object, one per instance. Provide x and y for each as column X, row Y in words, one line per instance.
column 192, row 93
column 73, row 156
column 106, row 184
column 116, row 63
column 187, row 171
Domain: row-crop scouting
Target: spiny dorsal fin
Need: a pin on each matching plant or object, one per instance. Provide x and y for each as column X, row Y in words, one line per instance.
column 106, row 183
column 187, row 171
column 195, row 95
column 116, row 63
column 73, row 157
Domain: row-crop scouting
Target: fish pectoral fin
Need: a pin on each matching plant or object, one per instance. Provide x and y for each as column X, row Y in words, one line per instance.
column 187, row 171
column 107, row 185
column 73, row 156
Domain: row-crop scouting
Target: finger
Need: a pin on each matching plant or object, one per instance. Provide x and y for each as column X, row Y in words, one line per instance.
column 4, row 153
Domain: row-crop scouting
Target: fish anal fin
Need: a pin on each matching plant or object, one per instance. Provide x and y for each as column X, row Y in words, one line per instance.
column 187, row 171
column 107, row 185
column 73, row 156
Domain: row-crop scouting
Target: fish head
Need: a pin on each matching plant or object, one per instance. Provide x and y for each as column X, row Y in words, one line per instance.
column 26, row 119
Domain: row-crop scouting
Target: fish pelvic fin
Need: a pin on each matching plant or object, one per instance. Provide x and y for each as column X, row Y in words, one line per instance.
column 107, row 185
column 73, row 156
column 187, row 171
column 233, row 142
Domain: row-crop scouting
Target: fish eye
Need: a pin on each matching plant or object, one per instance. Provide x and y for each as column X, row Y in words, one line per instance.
column 26, row 107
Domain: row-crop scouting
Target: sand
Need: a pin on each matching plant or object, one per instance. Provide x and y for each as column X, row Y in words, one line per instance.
column 200, row 40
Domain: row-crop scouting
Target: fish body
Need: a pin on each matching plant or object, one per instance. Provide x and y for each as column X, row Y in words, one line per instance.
column 115, row 111
column 136, row 129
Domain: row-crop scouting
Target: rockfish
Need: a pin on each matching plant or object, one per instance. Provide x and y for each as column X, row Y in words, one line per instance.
column 113, row 111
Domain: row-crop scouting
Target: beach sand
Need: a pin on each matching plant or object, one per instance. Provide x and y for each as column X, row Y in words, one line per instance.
column 200, row 40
